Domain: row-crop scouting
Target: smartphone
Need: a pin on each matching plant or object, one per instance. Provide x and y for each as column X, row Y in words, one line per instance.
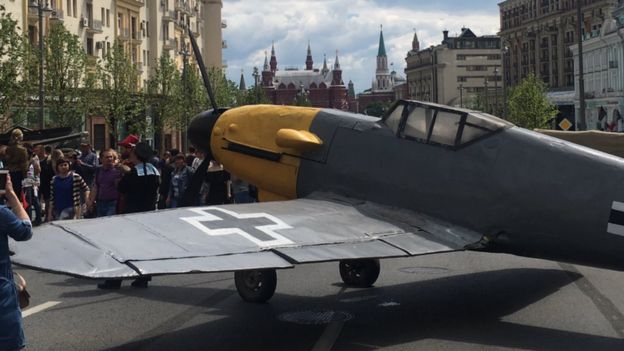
column 3, row 179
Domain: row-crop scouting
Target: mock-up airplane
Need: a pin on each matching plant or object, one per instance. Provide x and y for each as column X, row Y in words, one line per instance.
column 337, row 186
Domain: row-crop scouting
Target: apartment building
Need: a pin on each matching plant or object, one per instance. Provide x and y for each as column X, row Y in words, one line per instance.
column 146, row 29
column 603, row 72
column 456, row 71
column 538, row 35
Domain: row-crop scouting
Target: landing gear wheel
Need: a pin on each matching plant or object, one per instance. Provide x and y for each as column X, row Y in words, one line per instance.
column 359, row 273
column 256, row 285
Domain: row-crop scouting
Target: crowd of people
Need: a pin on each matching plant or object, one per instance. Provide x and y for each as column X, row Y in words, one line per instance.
column 59, row 184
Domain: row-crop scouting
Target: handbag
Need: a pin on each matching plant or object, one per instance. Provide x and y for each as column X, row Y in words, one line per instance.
column 22, row 293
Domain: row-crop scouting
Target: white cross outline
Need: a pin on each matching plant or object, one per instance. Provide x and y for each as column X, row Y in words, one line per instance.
column 268, row 229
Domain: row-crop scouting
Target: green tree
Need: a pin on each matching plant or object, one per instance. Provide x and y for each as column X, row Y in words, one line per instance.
column 528, row 106
column 302, row 99
column 65, row 77
column 161, row 95
column 477, row 102
column 252, row 96
column 12, row 78
column 225, row 90
column 119, row 94
column 376, row 108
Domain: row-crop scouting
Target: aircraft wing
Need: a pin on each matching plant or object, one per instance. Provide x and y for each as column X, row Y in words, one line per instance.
column 235, row 237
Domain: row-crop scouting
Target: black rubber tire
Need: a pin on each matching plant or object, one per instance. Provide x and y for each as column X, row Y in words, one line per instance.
column 256, row 285
column 359, row 273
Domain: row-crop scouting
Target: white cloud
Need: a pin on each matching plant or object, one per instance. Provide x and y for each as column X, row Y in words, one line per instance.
column 352, row 27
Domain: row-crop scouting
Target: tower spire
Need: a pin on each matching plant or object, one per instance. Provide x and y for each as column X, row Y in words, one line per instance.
column 266, row 62
column 337, row 63
column 309, row 62
column 273, row 58
column 415, row 42
column 382, row 46
column 325, row 69
column 242, row 85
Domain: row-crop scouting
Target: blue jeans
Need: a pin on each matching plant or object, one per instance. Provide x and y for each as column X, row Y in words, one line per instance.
column 243, row 197
column 106, row 208
column 67, row 213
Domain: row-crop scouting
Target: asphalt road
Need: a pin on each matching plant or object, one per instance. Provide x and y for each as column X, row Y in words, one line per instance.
column 459, row 301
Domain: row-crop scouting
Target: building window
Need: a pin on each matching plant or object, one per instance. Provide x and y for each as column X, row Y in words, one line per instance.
column 103, row 16
column 107, row 17
column 75, row 7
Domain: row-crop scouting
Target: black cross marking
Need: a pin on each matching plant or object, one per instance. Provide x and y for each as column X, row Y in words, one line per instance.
column 248, row 225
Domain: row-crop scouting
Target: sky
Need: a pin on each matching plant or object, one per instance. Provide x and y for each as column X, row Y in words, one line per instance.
column 349, row 26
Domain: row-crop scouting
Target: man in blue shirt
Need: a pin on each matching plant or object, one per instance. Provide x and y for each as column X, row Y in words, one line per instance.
column 14, row 222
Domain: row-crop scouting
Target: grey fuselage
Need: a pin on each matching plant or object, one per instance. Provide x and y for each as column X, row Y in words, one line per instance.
column 529, row 194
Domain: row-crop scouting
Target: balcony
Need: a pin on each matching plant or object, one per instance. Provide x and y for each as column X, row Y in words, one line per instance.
column 138, row 66
column 223, row 24
column 224, row 63
column 123, row 34
column 92, row 26
column 170, row 44
column 169, row 16
column 183, row 6
column 57, row 15
column 224, row 44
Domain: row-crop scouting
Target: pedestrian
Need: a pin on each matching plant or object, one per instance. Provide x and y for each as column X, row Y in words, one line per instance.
column 15, row 223
column 180, row 179
column 219, row 192
column 47, row 172
column 190, row 156
column 165, row 179
column 16, row 160
column 240, row 189
column 66, row 189
column 103, row 197
column 30, row 187
column 140, row 188
column 87, row 161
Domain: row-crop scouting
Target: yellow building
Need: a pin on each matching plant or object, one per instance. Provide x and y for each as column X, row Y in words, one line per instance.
column 146, row 29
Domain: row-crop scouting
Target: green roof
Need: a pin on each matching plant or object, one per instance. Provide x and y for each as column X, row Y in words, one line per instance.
column 382, row 47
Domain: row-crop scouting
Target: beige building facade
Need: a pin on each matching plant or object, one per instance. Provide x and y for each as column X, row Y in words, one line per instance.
column 538, row 36
column 456, row 71
column 145, row 28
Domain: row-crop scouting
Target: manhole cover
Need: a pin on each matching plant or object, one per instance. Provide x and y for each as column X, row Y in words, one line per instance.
column 315, row 317
column 424, row 270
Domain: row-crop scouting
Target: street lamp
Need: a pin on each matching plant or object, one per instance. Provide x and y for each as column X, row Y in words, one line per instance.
column 504, row 51
column 495, row 90
column 487, row 100
column 461, row 95
column 185, row 55
column 41, row 10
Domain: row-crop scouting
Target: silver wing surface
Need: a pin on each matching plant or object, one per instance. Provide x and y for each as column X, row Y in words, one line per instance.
column 320, row 228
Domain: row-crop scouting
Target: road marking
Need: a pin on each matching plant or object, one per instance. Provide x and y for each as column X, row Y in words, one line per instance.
column 330, row 334
column 39, row 308
column 329, row 337
column 604, row 305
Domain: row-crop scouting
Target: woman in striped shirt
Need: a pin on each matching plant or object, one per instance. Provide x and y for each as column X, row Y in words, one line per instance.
column 65, row 189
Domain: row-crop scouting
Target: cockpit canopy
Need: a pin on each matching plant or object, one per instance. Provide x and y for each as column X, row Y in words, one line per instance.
column 440, row 125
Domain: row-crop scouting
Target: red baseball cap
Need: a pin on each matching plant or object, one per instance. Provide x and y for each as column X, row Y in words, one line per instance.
column 129, row 141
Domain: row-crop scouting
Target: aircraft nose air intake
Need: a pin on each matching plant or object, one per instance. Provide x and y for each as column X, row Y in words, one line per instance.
column 201, row 127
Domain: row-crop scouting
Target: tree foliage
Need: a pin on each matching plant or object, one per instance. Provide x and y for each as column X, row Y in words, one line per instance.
column 12, row 46
column 65, row 77
column 528, row 106
column 253, row 96
column 161, row 93
column 376, row 108
column 119, row 100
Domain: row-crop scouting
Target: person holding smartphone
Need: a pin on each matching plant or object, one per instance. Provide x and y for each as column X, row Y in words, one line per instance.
column 14, row 223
